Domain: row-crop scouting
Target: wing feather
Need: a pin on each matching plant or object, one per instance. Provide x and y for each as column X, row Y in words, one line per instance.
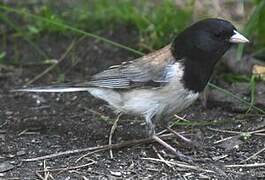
column 153, row 69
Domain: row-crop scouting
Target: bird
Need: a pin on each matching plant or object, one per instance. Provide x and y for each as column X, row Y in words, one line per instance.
column 164, row 82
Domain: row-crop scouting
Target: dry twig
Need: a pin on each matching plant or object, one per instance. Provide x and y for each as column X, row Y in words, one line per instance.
column 256, row 132
column 254, row 155
column 181, row 118
column 68, row 168
column 113, row 128
column 103, row 147
column 46, row 173
column 3, row 124
column 182, row 165
column 89, row 153
column 161, row 157
column 178, row 135
column 85, row 178
column 22, row 132
column 245, row 165
column 47, row 70
column 39, row 176
column 222, row 140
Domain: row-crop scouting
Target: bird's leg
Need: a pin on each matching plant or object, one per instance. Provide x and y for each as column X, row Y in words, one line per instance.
column 150, row 127
column 152, row 134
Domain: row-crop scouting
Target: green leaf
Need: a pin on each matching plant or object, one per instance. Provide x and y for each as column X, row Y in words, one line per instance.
column 2, row 54
column 33, row 29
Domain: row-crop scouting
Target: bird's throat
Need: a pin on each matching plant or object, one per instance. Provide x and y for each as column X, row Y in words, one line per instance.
column 197, row 74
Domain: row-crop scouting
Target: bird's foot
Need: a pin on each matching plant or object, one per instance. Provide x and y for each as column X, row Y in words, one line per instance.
column 177, row 153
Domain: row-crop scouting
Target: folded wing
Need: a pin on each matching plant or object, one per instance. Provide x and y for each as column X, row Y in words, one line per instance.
column 150, row 70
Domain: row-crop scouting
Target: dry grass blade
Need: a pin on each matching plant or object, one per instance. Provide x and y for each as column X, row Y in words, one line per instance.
column 256, row 132
column 181, row 165
column 70, row 47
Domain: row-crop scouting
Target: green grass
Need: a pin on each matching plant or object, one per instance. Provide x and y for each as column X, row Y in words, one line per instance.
column 232, row 77
column 19, row 31
column 250, row 79
column 2, row 56
column 255, row 27
column 157, row 24
column 252, row 84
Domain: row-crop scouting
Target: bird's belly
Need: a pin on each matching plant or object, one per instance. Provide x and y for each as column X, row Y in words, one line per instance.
column 161, row 101
column 179, row 101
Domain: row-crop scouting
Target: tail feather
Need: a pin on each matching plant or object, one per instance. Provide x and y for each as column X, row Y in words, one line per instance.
column 53, row 88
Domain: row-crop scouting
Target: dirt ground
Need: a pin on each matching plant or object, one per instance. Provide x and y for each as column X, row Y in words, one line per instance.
column 33, row 125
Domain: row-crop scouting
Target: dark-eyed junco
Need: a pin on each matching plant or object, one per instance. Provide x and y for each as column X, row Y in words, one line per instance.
column 164, row 82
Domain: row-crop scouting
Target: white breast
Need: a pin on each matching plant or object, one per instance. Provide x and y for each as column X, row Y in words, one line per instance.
column 166, row 100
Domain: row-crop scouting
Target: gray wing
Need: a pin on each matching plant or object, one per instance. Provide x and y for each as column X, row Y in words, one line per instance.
column 151, row 70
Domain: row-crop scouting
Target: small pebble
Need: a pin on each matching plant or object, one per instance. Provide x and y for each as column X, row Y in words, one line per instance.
column 6, row 166
column 115, row 173
column 21, row 153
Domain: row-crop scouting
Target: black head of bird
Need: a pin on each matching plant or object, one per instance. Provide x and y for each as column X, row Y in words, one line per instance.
column 202, row 45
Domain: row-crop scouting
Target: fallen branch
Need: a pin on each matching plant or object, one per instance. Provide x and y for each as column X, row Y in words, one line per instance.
column 103, row 147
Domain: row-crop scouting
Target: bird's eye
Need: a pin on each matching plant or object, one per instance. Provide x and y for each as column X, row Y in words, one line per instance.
column 218, row 34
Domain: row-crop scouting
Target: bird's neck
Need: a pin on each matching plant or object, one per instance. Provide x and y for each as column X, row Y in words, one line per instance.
column 198, row 67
